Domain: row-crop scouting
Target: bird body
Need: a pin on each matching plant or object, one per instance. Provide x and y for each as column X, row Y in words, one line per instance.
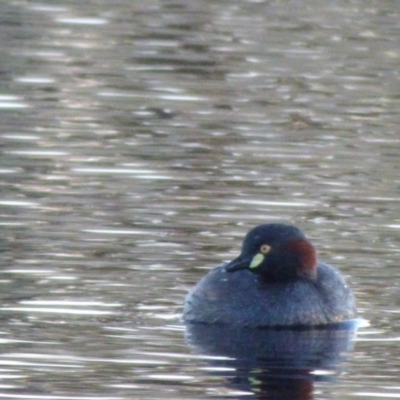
column 275, row 282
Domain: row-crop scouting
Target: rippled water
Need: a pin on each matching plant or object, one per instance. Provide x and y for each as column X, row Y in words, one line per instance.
column 141, row 140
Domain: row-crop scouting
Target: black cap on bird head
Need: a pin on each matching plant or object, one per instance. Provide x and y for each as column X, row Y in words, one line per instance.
column 278, row 252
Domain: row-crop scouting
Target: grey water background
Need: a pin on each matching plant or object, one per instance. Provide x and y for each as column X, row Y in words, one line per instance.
column 140, row 140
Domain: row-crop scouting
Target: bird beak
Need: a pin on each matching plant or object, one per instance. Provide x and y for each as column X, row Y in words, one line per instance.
column 240, row 263
column 237, row 264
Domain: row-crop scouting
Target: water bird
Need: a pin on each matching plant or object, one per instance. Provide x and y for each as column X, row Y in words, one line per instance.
column 276, row 282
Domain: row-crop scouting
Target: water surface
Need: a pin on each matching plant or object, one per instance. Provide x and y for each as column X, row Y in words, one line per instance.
column 141, row 140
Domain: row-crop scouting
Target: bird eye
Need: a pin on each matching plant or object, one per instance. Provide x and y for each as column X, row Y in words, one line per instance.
column 264, row 249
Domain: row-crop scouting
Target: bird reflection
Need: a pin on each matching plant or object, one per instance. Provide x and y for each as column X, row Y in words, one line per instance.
column 274, row 363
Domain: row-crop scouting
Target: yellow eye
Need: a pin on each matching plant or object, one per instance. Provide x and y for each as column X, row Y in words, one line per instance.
column 264, row 249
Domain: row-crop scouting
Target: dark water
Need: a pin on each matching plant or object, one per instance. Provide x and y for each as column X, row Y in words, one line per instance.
column 141, row 140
